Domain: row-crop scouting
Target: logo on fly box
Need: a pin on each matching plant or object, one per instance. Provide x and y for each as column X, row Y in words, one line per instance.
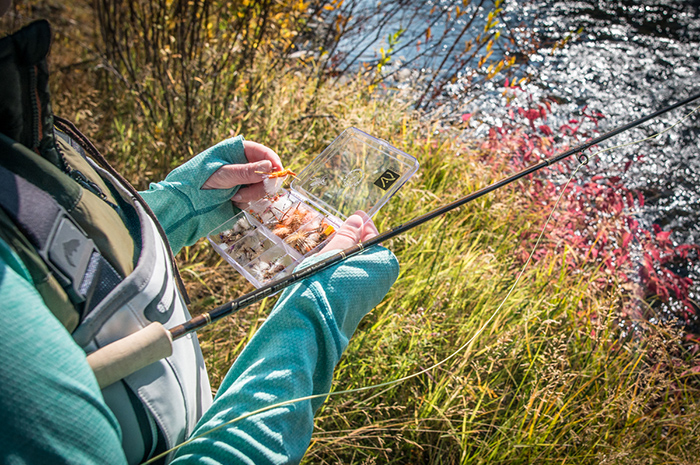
column 387, row 179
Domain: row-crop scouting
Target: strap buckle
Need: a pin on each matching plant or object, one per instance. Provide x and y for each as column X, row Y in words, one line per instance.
column 68, row 253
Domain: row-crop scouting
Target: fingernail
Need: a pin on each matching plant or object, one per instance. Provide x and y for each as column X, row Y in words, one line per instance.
column 237, row 198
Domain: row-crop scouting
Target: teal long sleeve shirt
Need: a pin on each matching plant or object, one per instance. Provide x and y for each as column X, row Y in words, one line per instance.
column 52, row 411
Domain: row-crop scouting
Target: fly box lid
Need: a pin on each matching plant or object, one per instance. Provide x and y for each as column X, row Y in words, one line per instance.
column 355, row 172
column 274, row 234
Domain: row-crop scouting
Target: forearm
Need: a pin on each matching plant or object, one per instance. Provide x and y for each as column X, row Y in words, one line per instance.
column 291, row 356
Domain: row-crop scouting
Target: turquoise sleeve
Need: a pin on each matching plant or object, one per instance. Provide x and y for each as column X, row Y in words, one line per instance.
column 292, row 355
column 51, row 408
column 187, row 212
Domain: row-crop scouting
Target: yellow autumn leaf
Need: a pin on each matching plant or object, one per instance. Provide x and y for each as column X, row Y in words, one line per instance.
column 498, row 68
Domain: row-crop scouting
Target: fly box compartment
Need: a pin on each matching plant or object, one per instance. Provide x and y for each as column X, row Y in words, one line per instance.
column 356, row 172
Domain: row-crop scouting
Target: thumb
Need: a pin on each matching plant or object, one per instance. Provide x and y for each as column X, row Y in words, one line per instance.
column 229, row 176
column 349, row 234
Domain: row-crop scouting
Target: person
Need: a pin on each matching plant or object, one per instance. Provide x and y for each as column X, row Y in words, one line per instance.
column 85, row 260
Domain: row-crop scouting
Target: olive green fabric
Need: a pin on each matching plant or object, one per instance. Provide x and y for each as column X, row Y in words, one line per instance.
column 76, row 161
column 99, row 220
column 40, row 172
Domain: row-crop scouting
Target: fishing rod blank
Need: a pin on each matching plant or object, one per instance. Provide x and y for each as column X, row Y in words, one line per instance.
column 123, row 357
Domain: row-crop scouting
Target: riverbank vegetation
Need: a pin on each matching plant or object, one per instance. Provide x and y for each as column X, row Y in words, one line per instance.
column 578, row 365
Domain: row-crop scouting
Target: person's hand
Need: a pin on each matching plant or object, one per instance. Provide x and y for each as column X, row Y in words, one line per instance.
column 261, row 159
column 358, row 227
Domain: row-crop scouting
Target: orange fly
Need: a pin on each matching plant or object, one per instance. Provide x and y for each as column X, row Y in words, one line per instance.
column 279, row 174
column 273, row 181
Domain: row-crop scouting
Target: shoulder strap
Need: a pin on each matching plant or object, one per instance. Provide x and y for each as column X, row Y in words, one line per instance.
column 46, row 284
column 72, row 256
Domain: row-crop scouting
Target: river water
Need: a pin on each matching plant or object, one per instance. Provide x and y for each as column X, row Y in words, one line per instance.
column 631, row 59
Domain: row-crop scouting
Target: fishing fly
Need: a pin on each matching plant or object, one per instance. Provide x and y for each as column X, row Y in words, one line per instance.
column 274, row 180
column 311, row 236
column 279, row 231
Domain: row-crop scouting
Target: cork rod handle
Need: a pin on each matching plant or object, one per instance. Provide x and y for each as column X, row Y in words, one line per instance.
column 128, row 355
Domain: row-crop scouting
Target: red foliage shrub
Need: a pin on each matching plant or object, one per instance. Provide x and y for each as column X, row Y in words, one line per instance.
column 595, row 223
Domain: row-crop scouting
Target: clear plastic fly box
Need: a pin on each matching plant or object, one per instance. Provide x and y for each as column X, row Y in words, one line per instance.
column 271, row 236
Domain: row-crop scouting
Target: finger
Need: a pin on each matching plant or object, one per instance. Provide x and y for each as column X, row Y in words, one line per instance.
column 368, row 230
column 257, row 152
column 341, row 240
column 248, row 194
column 347, row 235
column 229, row 176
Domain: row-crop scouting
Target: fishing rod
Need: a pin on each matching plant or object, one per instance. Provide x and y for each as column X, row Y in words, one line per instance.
column 128, row 355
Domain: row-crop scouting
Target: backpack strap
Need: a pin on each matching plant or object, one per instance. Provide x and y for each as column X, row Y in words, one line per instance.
column 75, row 261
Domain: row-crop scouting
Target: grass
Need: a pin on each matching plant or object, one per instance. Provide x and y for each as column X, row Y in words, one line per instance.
column 553, row 378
